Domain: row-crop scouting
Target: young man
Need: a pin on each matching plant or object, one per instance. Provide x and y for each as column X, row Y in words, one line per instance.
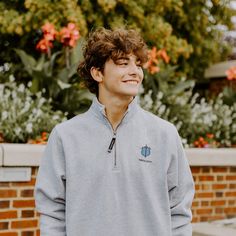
column 115, row 170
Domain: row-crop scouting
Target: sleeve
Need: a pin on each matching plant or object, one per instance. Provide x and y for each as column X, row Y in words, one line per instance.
column 181, row 191
column 50, row 188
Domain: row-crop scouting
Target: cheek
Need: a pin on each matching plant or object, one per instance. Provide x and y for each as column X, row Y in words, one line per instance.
column 141, row 75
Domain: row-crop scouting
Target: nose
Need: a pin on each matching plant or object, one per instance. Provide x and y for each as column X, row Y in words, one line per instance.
column 134, row 69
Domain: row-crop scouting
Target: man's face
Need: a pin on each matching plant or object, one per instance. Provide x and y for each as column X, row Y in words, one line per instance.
column 121, row 78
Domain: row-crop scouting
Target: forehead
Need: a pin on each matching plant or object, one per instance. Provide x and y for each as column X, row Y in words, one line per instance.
column 130, row 56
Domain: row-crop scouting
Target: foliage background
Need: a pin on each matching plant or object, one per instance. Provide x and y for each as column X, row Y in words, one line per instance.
column 186, row 28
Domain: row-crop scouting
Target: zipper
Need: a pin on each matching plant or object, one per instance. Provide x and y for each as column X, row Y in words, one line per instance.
column 113, row 140
column 112, row 143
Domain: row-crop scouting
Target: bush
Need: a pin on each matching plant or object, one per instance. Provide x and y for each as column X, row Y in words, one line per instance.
column 200, row 123
column 24, row 116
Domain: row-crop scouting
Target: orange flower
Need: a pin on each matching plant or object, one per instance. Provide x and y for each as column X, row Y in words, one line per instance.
column 210, row 136
column 44, row 45
column 152, row 62
column 44, row 136
column 231, row 73
column 162, row 53
column 69, row 35
column 153, row 56
column 49, row 31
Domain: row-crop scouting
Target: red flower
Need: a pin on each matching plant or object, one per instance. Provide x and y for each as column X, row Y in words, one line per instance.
column 69, row 35
column 44, row 45
column 231, row 73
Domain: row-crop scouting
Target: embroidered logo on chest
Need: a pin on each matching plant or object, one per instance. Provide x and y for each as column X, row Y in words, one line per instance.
column 145, row 152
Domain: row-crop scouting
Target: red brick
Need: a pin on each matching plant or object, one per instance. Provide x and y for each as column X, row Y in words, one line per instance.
column 4, row 204
column 220, row 169
column 3, row 184
column 205, row 203
column 231, row 177
column 23, row 203
column 204, row 195
column 195, row 204
column 218, row 203
column 3, row 225
column 230, row 194
column 24, row 224
column 8, row 234
column 27, row 193
column 23, row 184
column 195, row 170
column 197, row 186
column 219, row 210
column 203, row 211
column 232, row 169
column 8, row 215
column 27, row 213
column 220, row 177
column 206, row 178
column 204, row 218
column 206, row 169
column 206, row 186
column 219, row 186
column 232, row 202
column 6, row 193
column 219, row 194
column 38, row 232
column 195, row 219
column 233, row 186
column 230, row 210
column 27, row 233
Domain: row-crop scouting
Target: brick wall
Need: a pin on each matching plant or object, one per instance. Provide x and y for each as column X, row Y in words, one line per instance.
column 17, row 213
column 215, row 198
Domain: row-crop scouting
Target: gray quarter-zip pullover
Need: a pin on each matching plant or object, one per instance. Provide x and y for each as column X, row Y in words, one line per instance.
column 134, row 182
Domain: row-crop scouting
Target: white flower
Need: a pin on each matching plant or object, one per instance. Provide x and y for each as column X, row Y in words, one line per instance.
column 17, row 130
column 29, row 84
column 55, row 117
column 11, row 78
column 29, row 128
column 4, row 115
column 21, row 88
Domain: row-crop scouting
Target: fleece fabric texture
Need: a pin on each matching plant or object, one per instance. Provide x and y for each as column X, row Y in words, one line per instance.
column 142, row 186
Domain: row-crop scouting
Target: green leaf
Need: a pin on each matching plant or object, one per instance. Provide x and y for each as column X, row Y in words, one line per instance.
column 76, row 55
column 40, row 63
column 63, row 85
column 182, row 86
column 28, row 61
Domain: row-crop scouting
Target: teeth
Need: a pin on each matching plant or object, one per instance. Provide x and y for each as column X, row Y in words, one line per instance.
column 131, row 82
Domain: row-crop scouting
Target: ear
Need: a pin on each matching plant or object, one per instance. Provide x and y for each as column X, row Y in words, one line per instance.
column 96, row 74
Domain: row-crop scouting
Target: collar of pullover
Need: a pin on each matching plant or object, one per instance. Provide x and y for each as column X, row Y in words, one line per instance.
column 99, row 109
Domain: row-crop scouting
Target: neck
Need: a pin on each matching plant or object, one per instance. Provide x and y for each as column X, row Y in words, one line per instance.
column 115, row 109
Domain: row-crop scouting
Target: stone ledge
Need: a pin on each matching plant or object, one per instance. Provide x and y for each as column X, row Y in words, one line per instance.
column 215, row 228
column 30, row 155
column 21, row 154
column 211, row 156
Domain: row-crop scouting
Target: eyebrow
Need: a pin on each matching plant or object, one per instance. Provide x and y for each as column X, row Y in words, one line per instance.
column 127, row 58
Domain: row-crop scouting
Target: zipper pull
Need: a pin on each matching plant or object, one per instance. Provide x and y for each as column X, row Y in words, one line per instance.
column 113, row 140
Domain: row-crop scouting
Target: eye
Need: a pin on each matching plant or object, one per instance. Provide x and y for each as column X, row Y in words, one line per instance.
column 122, row 62
column 139, row 64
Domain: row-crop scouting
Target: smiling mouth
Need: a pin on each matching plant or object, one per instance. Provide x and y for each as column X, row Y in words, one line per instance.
column 131, row 82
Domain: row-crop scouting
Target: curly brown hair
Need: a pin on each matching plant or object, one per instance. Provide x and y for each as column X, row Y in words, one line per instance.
column 104, row 44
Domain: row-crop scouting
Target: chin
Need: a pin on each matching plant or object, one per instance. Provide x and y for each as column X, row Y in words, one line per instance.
column 131, row 93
